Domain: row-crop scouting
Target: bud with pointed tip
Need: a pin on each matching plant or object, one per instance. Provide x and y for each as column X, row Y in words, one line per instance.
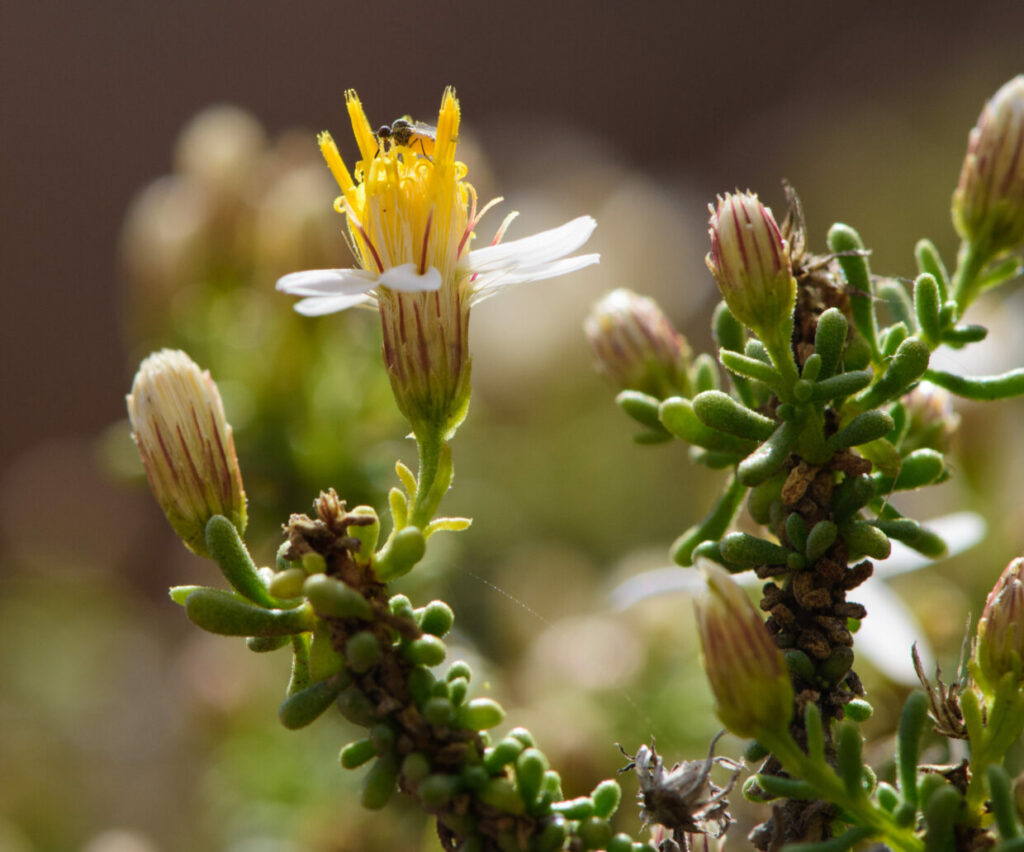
column 750, row 261
column 637, row 347
column 1000, row 645
column 988, row 205
column 186, row 446
column 747, row 672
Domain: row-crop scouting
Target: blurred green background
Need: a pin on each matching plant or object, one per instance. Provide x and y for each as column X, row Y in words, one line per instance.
column 159, row 171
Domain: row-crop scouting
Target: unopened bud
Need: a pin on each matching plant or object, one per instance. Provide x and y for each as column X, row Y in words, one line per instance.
column 637, row 347
column 1000, row 645
column 746, row 670
column 988, row 204
column 186, row 446
column 750, row 261
column 932, row 422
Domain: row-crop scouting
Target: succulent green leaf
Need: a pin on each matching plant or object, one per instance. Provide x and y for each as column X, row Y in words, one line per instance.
column 332, row 598
column 705, row 373
column 401, row 553
column 227, row 548
column 355, row 754
column 964, row 334
column 986, row 388
column 301, row 708
column 848, row 759
column 751, row 368
column 821, row 537
column 720, row 411
column 744, row 549
column 480, row 714
column 379, row 783
column 786, row 788
column 845, row 384
column 865, row 427
column 642, row 407
column 927, row 303
column 678, row 416
column 865, row 538
column 606, row 796
column 1001, row 799
column 222, row 612
column 940, row 816
column 929, row 260
column 829, row 341
column 908, row 738
column 906, row 367
column 770, row 456
column 852, row 258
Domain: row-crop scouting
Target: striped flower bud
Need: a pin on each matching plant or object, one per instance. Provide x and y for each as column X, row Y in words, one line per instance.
column 746, row 670
column 750, row 261
column 1000, row 645
column 186, row 445
column 636, row 345
column 988, row 204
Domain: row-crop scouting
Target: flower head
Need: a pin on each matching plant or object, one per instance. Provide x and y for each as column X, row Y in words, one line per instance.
column 636, row 345
column 988, row 204
column 750, row 261
column 748, row 676
column 1000, row 645
column 186, row 445
column 411, row 217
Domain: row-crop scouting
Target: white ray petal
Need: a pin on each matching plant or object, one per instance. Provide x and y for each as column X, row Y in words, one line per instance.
column 886, row 635
column 651, row 584
column 406, row 279
column 490, row 283
column 326, row 282
column 315, row 306
column 534, row 250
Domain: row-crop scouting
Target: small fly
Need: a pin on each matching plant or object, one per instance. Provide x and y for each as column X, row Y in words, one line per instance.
column 407, row 133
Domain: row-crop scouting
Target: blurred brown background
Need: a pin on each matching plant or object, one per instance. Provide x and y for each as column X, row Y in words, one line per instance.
column 725, row 94
column 120, row 730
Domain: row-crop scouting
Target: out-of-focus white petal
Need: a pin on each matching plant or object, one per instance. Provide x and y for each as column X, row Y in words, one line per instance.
column 651, row 584
column 886, row 635
column 407, row 279
column 315, row 306
column 535, row 250
column 960, row 530
column 327, row 282
column 490, row 283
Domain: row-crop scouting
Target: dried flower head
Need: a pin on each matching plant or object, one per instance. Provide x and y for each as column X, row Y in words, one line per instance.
column 411, row 217
column 636, row 345
column 186, row 446
column 684, row 800
column 746, row 670
column 750, row 261
column 988, row 204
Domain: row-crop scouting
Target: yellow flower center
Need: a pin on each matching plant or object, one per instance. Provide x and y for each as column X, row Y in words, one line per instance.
column 404, row 206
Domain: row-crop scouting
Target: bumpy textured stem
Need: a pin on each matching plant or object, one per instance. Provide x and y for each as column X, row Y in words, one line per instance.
column 425, row 736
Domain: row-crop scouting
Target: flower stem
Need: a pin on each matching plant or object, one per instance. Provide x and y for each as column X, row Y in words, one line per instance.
column 777, row 342
column 831, row 788
column 435, row 474
column 965, row 282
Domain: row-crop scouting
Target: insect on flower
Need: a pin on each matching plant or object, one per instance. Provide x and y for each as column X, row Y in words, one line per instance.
column 406, row 133
column 683, row 799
